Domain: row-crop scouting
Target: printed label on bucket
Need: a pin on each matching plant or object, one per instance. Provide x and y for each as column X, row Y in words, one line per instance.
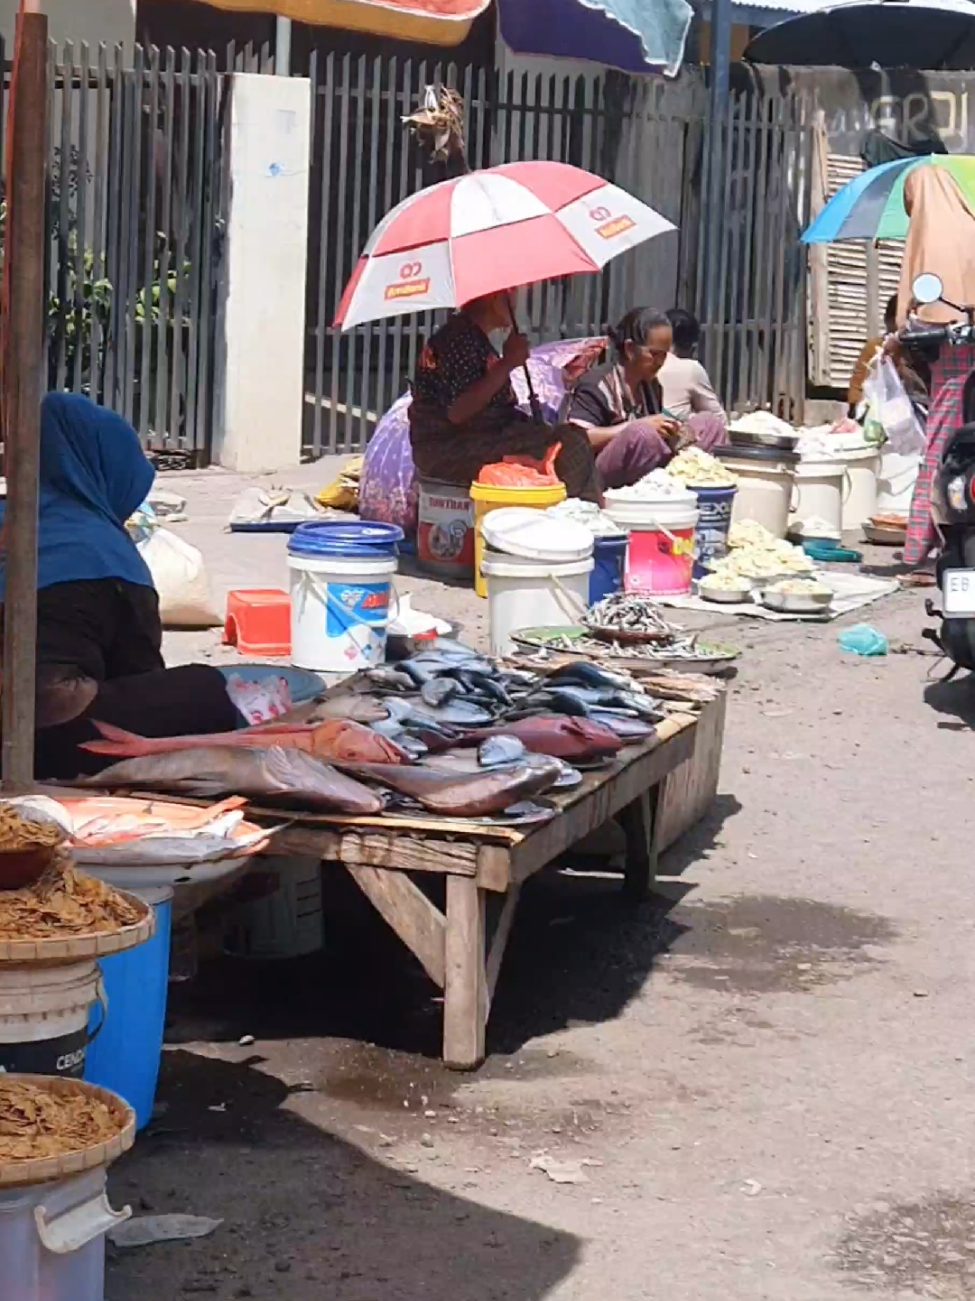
column 350, row 604
column 64, row 1056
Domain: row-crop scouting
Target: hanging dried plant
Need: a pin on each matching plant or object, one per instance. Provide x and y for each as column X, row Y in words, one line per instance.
column 439, row 124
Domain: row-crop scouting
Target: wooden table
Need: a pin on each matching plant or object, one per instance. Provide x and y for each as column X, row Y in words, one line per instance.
column 476, row 859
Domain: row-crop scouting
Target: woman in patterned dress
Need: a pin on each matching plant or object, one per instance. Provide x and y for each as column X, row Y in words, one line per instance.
column 464, row 411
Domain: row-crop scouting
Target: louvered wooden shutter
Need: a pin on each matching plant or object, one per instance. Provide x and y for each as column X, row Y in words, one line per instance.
column 859, row 279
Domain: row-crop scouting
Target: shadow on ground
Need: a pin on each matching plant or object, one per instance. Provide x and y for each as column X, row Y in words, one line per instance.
column 578, row 953
column 954, row 699
column 305, row 1214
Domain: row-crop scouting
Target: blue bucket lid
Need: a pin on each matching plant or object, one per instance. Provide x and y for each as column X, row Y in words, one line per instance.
column 355, row 540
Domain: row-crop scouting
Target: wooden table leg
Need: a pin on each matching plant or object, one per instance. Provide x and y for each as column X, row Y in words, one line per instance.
column 465, row 989
column 639, row 822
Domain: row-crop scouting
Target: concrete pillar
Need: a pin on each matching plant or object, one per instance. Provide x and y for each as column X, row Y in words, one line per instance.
column 266, row 252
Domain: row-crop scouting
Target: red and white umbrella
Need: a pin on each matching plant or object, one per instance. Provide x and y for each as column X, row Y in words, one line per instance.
column 492, row 230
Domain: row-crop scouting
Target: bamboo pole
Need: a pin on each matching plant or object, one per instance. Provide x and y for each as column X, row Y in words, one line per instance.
column 22, row 387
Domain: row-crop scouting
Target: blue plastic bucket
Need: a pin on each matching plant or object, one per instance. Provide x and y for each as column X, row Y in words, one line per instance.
column 125, row 1054
column 714, row 507
column 341, row 592
column 609, row 562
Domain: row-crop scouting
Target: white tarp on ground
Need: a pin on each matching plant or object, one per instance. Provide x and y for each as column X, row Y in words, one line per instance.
column 850, row 592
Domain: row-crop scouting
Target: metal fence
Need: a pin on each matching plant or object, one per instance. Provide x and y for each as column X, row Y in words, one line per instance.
column 751, row 287
column 745, row 276
column 137, row 203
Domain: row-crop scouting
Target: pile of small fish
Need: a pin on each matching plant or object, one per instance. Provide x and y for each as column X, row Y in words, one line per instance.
column 631, row 613
column 447, row 730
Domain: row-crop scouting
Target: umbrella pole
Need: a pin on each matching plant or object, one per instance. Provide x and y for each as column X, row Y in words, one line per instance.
column 22, row 388
column 533, row 401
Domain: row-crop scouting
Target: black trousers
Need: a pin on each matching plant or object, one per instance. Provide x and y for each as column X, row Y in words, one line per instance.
column 99, row 656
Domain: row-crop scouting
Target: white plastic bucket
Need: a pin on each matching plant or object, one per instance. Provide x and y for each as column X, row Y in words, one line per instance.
column 44, row 1016
column 52, row 1239
column 860, row 486
column 895, row 482
column 286, row 923
column 819, row 493
column 765, row 488
column 340, row 610
column 526, row 593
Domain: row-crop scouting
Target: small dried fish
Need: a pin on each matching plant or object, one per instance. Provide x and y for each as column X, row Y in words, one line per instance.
column 630, row 612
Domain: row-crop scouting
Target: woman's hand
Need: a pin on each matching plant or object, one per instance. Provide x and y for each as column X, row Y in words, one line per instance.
column 666, row 426
column 516, row 350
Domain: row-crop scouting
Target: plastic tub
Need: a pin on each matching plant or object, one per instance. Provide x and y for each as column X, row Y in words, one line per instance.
column 341, row 584
column 52, row 1239
column 44, row 1015
column 125, row 1054
column 714, row 507
column 530, row 593
column 896, row 478
column 445, row 530
column 487, row 498
column 819, row 494
column 287, row 923
column 766, row 477
column 609, row 563
column 660, row 555
column 860, row 488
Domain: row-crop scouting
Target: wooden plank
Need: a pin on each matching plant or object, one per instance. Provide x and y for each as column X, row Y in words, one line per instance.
column 391, row 850
column 499, row 942
column 639, row 822
column 465, row 986
column 612, row 794
column 690, row 789
column 493, row 868
column 23, row 344
column 405, row 907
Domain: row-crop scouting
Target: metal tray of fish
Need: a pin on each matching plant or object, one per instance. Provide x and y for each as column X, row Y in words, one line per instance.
column 708, row 657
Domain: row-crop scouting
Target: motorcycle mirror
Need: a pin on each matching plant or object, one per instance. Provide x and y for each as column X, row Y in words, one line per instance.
column 927, row 287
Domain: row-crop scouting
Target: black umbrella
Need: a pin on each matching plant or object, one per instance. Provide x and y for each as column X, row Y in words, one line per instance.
column 929, row 34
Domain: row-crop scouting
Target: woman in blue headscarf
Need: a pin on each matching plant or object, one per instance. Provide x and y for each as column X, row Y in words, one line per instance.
column 97, row 608
column 99, row 633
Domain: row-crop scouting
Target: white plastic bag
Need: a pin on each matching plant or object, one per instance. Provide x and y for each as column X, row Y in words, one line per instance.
column 180, row 578
column 889, row 405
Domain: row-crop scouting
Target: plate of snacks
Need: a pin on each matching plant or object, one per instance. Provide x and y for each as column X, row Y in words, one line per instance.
column 798, row 596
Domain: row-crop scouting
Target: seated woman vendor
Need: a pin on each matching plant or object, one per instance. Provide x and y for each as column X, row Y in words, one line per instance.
column 620, row 404
column 99, row 634
column 464, row 413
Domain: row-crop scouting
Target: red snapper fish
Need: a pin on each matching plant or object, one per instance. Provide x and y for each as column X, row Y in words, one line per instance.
column 336, row 740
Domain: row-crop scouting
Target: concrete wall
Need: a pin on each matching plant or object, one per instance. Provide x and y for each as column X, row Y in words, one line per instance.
column 264, row 313
column 79, row 20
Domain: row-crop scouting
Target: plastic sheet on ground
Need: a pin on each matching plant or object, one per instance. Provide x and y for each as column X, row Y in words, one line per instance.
column 850, row 592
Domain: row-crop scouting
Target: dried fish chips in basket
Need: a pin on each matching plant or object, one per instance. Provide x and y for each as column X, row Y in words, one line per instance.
column 29, row 840
column 66, row 916
column 52, row 1127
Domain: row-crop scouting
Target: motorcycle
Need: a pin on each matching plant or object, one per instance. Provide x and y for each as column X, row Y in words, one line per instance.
column 953, row 495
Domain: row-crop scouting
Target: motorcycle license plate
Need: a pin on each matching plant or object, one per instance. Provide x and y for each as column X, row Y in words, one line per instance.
column 958, row 593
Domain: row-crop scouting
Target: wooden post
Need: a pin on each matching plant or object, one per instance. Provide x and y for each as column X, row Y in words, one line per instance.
column 465, row 988
column 22, row 384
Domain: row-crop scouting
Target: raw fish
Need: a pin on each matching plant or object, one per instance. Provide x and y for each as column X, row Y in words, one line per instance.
column 462, row 795
column 585, row 674
column 274, row 774
column 439, row 691
column 574, row 739
column 497, row 751
column 337, row 738
column 626, row 727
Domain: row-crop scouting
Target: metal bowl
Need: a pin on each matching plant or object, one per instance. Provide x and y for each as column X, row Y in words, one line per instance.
column 782, row 442
column 732, row 596
column 796, row 603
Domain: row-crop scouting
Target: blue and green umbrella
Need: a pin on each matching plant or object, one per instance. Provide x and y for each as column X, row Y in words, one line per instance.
column 871, row 206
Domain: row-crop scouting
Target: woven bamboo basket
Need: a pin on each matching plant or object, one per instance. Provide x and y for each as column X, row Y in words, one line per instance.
column 19, row 1173
column 75, row 948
